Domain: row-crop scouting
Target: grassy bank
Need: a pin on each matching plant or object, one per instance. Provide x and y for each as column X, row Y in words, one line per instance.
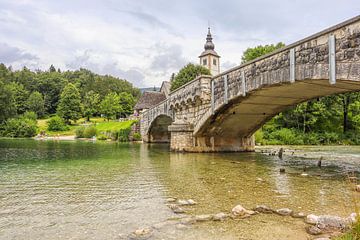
column 98, row 127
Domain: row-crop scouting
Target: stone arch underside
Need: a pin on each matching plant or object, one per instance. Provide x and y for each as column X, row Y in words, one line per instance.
column 242, row 116
column 158, row 130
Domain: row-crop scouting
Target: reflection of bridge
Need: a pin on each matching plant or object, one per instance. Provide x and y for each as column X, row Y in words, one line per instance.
column 221, row 113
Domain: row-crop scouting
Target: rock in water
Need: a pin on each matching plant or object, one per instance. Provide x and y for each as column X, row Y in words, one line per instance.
column 170, row 200
column 220, row 216
column 280, row 154
column 329, row 223
column 284, row 211
column 313, row 230
column 203, row 218
column 186, row 202
column 176, row 209
column 358, row 188
column 238, row 210
column 298, row 215
column 311, row 219
column 141, row 234
column 282, row 170
column 263, row 209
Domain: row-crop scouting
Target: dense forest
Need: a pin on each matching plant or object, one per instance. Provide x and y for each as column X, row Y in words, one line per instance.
column 27, row 95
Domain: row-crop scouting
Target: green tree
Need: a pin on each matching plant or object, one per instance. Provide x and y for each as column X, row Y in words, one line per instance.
column 127, row 103
column 91, row 104
column 21, row 96
column 70, row 107
column 187, row 74
column 258, row 51
column 7, row 102
column 36, row 103
column 110, row 105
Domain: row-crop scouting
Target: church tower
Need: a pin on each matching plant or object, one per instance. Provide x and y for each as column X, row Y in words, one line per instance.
column 209, row 58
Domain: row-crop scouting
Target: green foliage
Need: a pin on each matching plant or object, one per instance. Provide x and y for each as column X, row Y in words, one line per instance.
column 56, row 123
column 20, row 127
column 90, row 132
column 127, row 103
column 137, row 136
column 187, row 74
column 70, row 107
column 7, row 102
column 36, row 103
column 85, row 132
column 101, row 137
column 91, row 104
column 30, row 115
column 110, row 106
column 20, row 96
column 258, row 51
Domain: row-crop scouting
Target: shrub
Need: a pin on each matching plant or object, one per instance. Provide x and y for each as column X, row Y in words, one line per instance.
column 90, row 132
column 101, row 137
column 79, row 132
column 57, row 124
column 285, row 136
column 20, row 127
column 30, row 115
column 137, row 136
column 123, row 135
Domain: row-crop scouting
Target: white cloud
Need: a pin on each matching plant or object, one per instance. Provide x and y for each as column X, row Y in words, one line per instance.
column 145, row 41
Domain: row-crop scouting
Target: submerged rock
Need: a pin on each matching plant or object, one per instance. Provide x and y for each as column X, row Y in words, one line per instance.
column 329, row 223
column 220, row 216
column 141, row 234
column 263, row 209
column 188, row 220
column 311, row 219
column 313, row 230
column 170, row 200
column 358, row 188
column 176, row 209
column 298, row 215
column 238, row 210
column 186, row 202
column 284, row 211
column 203, row 218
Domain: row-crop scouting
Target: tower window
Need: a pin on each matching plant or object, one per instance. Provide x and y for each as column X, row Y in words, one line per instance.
column 214, row 62
column 204, row 62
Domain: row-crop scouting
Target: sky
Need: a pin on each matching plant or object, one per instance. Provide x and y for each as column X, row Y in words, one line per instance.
column 145, row 41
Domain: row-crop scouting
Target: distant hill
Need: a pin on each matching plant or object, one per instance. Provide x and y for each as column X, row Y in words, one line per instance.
column 149, row 89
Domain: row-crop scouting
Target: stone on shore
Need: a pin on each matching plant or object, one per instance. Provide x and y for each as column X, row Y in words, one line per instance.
column 220, row 216
column 141, row 234
column 284, row 211
column 263, row 209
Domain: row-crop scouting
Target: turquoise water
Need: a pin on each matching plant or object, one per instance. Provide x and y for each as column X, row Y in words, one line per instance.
column 102, row 190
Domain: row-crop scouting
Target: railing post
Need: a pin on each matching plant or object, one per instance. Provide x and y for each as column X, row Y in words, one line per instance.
column 226, row 89
column 292, row 65
column 332, row 60
column 212, row 97
column 243, row 83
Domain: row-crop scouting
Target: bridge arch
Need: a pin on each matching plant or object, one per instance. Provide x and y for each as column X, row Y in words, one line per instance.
column 158, row 129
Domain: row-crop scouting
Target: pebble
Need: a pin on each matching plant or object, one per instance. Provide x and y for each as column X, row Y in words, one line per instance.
column 298, row 215
column 220, row 216
column 141, row 234
column 203, row 218
column 263, row 209
column 284, row 211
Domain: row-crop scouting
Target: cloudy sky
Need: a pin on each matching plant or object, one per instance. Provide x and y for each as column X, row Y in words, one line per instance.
column 144, row 41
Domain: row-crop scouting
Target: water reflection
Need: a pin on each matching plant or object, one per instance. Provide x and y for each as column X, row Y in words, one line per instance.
column 61, row 190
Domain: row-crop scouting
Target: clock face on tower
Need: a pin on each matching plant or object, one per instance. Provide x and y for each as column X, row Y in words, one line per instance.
column 209, row 58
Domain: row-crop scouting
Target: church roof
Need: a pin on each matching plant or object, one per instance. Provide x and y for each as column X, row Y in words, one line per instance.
column 149, row 99
column 209, row 46
column 165, row 88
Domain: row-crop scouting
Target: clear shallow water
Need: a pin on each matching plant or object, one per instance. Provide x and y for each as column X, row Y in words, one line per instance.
column 85, row 190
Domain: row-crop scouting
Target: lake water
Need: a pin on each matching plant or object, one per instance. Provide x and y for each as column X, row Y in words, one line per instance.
column 104, row 190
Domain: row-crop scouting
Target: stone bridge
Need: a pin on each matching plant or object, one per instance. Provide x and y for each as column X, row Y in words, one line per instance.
column 222, row 112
